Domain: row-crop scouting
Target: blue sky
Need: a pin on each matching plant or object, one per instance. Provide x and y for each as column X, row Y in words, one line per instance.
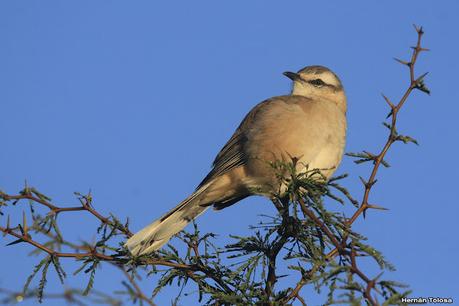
column 133, row 101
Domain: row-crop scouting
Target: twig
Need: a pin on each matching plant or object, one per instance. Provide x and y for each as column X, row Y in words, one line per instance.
column 85, row 206
column 138, row 290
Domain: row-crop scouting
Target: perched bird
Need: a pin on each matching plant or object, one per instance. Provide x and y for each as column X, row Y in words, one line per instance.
column 309, row 124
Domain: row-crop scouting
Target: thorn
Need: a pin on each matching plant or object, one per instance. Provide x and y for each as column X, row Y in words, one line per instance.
column 372, row 183
column 390, row 114
column 24, row 223
column 391, row 105
column 363, row 181
column 21, row 229
column 387, row 125
column 7, row 226
column 403, row 62
column 370, row 155
column 418, row 29
column 368, row 184
column 421, row 77
column 16, row 241
column 372, row 206
column 419, row 49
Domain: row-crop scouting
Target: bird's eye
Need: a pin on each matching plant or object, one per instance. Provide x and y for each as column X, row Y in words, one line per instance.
column 317, row 82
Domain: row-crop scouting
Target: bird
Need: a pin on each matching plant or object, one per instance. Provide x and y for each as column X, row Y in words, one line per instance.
column 309, row 124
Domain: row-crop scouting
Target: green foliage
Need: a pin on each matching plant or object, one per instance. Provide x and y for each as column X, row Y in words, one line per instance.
column 301, row 236
column 236, row 274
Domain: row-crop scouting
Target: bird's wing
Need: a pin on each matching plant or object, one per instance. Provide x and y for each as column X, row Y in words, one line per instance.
column 232, row 154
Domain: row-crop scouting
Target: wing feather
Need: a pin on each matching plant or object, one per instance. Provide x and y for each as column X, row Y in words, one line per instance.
column 232, row 154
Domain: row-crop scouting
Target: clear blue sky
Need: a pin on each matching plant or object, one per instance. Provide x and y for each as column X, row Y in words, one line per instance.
column 133, row 101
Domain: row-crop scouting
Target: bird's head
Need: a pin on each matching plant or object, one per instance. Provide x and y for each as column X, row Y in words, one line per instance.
column 318, row 82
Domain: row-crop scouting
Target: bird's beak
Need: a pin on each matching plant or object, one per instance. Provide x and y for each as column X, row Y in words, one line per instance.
column 292, row 75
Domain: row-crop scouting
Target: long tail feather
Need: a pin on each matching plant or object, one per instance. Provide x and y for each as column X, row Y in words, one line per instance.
column 158, row 233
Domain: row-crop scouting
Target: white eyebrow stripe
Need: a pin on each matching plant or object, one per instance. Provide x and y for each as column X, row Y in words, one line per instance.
column 327, row 77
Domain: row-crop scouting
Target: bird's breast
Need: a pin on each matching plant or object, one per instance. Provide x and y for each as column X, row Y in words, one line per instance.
column 315, row 134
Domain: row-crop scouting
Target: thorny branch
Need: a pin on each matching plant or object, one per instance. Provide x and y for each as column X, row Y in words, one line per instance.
column 378, row 160
column 22, row 232
column 34, row 195
column 137, row 290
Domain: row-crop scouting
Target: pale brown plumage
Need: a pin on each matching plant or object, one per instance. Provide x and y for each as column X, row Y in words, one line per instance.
column 310, row 125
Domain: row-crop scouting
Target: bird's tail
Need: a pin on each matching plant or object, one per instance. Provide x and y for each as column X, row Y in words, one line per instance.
column 158, row 233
